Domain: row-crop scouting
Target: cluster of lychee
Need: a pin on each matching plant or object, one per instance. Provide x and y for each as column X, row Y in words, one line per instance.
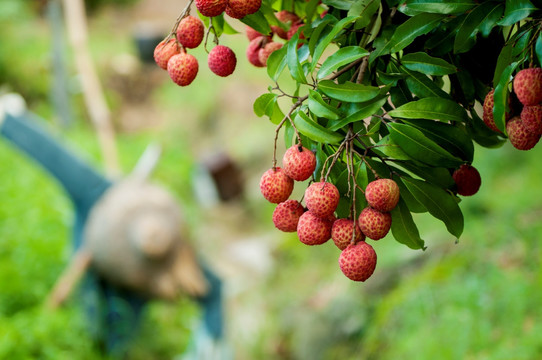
column 261, row 46
column 316, row 223
column 182, row 67
column 524, row 120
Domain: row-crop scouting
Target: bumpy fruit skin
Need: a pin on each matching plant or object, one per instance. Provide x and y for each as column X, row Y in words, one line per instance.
column 528, row 86
column 222, row 60
column 269, row 48
column 382, row 194
column 238, row 9
column 532, row 118
column 467, row 179
column 286, row 215
column 182, row 69
column 358, row 262
column 322, row 198
column 253, row 50
column 487, row 115
column 520, row 136
column 286, row 17
column 276, row 186
column 313, row 230
column 341, row 233
column 211, row 8
column 162, row 53
column 190, row 32
column 295, row 27
column 374, row 224
column 299, row 162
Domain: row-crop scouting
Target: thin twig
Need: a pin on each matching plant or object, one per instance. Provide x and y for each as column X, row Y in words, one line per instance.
column 279, row 126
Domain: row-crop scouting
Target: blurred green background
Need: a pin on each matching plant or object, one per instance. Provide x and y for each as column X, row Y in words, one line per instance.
column 478, row 299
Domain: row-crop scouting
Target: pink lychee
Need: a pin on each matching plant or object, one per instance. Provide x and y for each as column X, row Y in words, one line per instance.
column 519, row 135
column 276, row 186
column 374, row 224
column 190, row 32
column 182, row 68
column 382, row 194
column 299, row 162
column 163, row 52
column 358, row 261
column 222, row 60
column 322, row 198
column 286, row 215
column 342, row 233
column 313, row 230
column 527, row 85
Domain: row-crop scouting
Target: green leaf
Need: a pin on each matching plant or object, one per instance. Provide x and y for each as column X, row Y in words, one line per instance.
column 435, row 175
column 315, row 131
column 342, row 57
column 504, row 59
column 258, row 22
column 483, row 135
column 388, row 148
column 419, row 147
column 426, row 64
column 439, row 6
column 337, row 28
column 404, row 229
column 348, row 91
column 364, row 9
column 318, row 34
column 320, row 108
column 418, row 25
column 452, row 138
column 292, row 59
column 274, row 112
column 440, row 203
column 262, row 102
column 339, row 4
column 538, row 48
column 434, row 108
column 413, row 205
column 218, row 24
column 491, row 19
column 368, row 109
column 515, row 11
column 501, row 95
column 276, row 63
column 421, row 85
column 471, row 25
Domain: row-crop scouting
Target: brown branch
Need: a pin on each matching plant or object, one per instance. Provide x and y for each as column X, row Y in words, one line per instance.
column 279, row 126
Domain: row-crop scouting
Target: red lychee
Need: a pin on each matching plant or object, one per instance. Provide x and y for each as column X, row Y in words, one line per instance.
column 532, row 118
column 487, row 115
column 322, row 198
column 528, row 86
column 251, row 33
column 276, row 186
column 467, row 179
column 190, row 32
column 222, row 60
column 374, row 224
column 253, row 50
column 286, row 17
column 299, row 162
column 341, row 233
column 182, row 68
column 211, row 8
column 238, row 9
column 295, row 27
column 286, row 215
column 163, row 52
column 519, row 135
column 264, row 53
column 358, row 261
column 313, row 230
column 382, row 194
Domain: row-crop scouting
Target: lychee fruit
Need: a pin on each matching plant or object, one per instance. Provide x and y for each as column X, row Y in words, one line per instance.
column 487, row 114
column 286, row 17
column 527, row 86
column 251, row 33
column 322, row 198
column 238, row 9
column 532, row 118
column 190, row 32
column 358, row 261
column 269, row 48
column 374, row 224
column 211, row 8
column 467, row 179
column 163, row 52
column 382, row 194
column 222, row 60
column 519, row 135
column 253, row 50
column 313, row 230
column 293, row 30
column 342, row 233
column 299, row 162
column 286, row 215
column 276, row 186
column 182, row 68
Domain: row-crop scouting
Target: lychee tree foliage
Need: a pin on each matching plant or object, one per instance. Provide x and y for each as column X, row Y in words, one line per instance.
column 388, row 89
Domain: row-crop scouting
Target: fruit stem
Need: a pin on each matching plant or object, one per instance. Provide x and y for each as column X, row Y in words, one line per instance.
column 279, row 126
column 184, row 13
